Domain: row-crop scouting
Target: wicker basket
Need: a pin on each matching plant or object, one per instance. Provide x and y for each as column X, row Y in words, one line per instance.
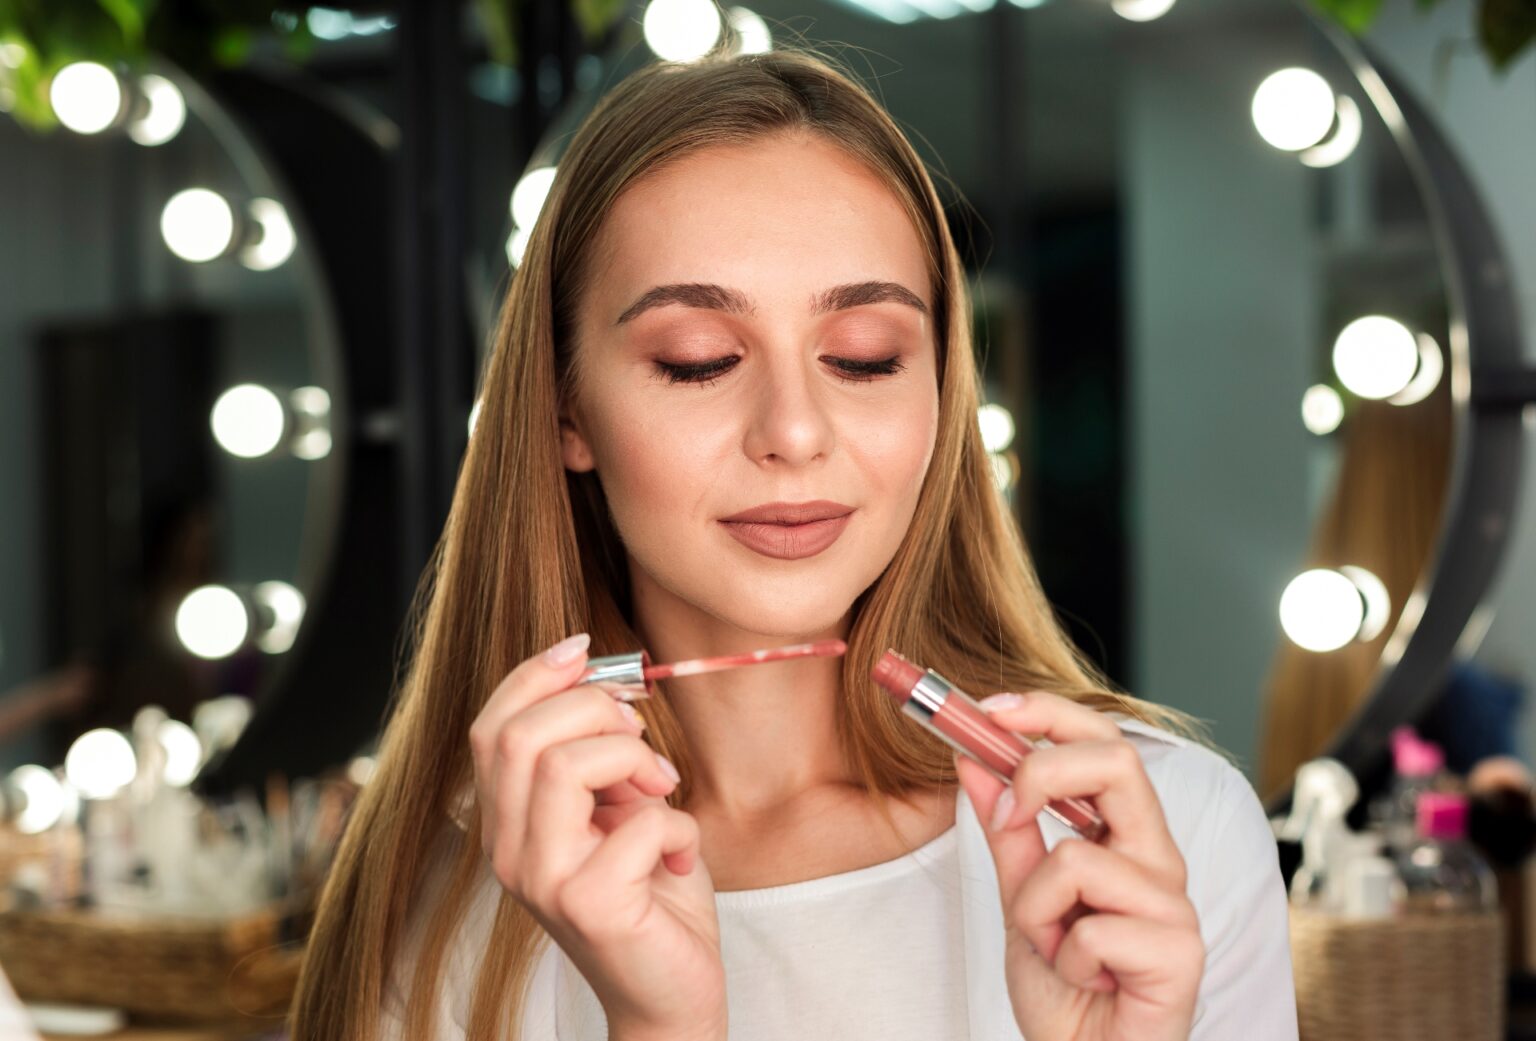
column 1407, row 978
column 179, row 970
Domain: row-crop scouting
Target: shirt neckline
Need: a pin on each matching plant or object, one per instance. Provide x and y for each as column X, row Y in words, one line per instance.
column 940, row 846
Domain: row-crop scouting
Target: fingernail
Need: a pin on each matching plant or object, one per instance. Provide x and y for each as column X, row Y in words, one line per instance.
column 567, row 650
column 997, row 701
column 631, row 715
column 667, row 767
column 1003, row 810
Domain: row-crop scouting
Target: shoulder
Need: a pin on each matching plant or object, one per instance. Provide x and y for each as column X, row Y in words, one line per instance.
column 1211, row 808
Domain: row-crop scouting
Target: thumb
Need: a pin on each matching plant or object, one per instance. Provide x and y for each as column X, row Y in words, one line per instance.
column 1016, row 852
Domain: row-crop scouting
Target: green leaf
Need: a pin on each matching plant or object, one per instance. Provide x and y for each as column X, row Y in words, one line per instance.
column 501, row 39
column 595, row 17
column 1354, row 15
column 231, row 44
column 1506, row 27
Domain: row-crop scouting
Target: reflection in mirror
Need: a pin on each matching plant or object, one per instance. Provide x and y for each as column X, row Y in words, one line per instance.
column 1182, row 215
column 164, row 370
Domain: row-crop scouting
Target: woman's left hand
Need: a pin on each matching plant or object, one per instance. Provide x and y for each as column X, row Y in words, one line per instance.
column 1128, row 967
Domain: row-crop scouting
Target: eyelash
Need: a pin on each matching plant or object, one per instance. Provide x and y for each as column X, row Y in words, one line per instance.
column 710, row 371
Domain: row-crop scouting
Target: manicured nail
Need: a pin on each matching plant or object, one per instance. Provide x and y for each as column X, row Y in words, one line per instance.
column 667, row 767
column 996, row 701
column 567, row 650
column 1003, row 810
column 631, row 715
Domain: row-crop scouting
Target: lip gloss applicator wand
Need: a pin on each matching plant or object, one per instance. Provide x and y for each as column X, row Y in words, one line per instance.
column 952, row 714
column 635, row 668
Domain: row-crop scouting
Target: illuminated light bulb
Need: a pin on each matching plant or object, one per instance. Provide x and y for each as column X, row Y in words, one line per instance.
column 997, row 427
column 100, row 763
column 166, row 114
column 44, row 795
column 311, row 411
column 360, row 770
column 197, row 225
column 681, row 30
column 1427, row 378
column 1140, row 10
column 752, row 33
column 1321, row 610
column 1293, row 109
column 277, row 241
column 212, row 622
column 248, row 420
column 1375, row 356
column 529, row 195
column 517, row 245
column 1003, row 470
column 1378, row 602
column 87, row 97
column 286, row 607
column 183, row 752
column 1346, row 136
column 1322, row 410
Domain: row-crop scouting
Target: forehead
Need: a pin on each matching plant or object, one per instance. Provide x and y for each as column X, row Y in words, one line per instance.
column 781, row 218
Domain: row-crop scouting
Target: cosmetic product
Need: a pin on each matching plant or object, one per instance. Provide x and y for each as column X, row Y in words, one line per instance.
column 635, row 669
column 949, row 712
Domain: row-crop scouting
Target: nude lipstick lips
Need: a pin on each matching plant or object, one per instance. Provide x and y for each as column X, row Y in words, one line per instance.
column 953, row 715
column 789, row 531
column 635, row 668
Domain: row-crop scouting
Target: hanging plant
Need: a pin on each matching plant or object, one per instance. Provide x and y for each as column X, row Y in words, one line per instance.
column 40, row 37
column 1505, row 28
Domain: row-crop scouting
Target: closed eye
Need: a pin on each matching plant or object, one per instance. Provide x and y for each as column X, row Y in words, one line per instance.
column 849, row 370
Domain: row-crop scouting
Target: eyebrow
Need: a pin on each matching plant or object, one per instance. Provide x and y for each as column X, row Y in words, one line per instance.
column 714, row 297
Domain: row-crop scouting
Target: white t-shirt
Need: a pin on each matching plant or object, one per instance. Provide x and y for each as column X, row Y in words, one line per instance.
column 912, row 948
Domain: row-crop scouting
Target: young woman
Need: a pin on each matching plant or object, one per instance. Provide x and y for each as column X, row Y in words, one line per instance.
column 741, row 291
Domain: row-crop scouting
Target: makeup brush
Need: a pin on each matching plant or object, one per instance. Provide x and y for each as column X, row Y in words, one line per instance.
column 635, row 669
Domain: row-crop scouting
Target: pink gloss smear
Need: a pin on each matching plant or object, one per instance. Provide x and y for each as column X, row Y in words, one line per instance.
column 967, row 727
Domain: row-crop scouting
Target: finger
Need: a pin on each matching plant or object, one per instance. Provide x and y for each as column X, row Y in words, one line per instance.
column 1078, row 877
column 1057, row 719
column 537, row 677
column 1111, row 774
column 504, row 781
column 559, row 831
column 652, row 835
column 1155, row 966
column 1014, row 852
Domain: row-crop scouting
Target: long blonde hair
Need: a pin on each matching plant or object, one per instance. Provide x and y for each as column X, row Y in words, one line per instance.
column 528, row 554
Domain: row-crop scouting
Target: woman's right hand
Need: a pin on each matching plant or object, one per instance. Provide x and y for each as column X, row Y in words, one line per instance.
column 621, row 886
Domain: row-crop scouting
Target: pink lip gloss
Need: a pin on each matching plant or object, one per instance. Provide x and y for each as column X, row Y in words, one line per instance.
column 953, row 715
column 635, row 668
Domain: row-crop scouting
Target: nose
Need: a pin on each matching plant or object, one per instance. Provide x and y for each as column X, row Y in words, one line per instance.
column 787, row 420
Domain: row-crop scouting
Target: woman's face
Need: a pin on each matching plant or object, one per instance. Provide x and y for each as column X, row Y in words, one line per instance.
column 782, row 385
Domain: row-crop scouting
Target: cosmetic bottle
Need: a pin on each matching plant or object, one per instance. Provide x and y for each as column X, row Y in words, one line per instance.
column 1418, row 767
column 1441, row 872
column 1323, row 794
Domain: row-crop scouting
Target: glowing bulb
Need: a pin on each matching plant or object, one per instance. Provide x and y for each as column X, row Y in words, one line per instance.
column 681, row 30
column 529, row 195
column 1321, row 610
column 1378, row 602
column 517, row 245
column 277, row 240
column 996, row 424
column 167, row 112
column 1375, row 356
column 86, row 97
column 286, row 605
column 197, row 224
column 1427, row 378
column 44, row 799
column 360, row 770
column 100, row 763
column 1293, row 109
column 752, row 34
column 1140, row 10
column 212, row 622
column 248, row 420
column 183, row 752
column 1003, row 472
column 1322, row 410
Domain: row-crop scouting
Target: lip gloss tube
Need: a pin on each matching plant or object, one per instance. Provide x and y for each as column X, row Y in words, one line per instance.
column 634, row 669
column 952, row 714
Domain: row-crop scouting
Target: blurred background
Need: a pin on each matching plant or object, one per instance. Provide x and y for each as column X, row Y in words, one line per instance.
column 1255, row 287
